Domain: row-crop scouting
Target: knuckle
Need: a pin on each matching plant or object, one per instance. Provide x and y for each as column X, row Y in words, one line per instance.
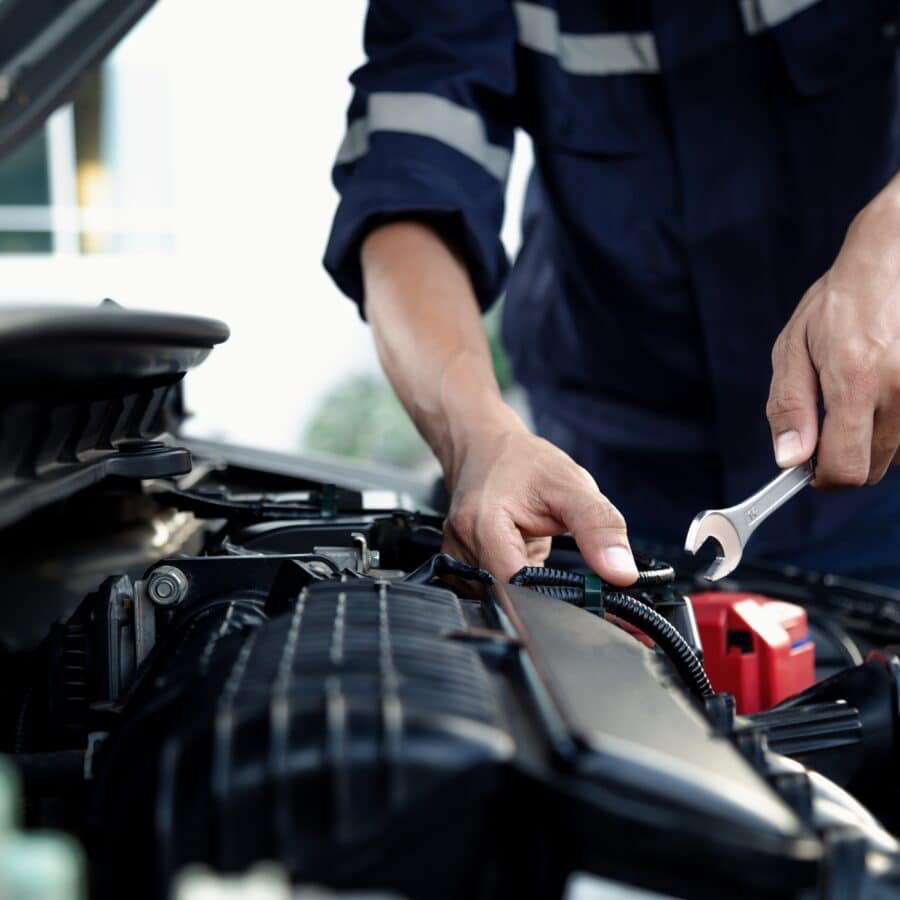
column 857, row 362
column 831, row 295
column 851, row 363
column 848, row 472
column 607, row 518
column 786, row 345
column 778, row 350
column 852, row 476
column 784, row 399
column 852, row 387
column 586, row 476
column 461, row 520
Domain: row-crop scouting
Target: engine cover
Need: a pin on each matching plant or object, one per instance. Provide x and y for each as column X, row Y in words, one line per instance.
column 398, row 736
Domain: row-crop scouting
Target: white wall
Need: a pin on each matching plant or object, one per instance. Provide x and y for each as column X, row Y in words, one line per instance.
column 227, row 117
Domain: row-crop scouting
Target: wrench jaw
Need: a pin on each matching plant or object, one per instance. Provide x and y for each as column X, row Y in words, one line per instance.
column 712, row 525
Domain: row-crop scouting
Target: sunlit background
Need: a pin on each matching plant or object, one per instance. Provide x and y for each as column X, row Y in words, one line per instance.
column 192, row 174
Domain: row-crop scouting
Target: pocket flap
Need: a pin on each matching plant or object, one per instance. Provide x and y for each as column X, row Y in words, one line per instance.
column 832, row 41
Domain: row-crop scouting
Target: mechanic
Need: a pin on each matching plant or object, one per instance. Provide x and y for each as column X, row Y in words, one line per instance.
column 699, row 169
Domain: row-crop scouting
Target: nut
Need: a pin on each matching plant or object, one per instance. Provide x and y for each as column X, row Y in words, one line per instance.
column 167, row 586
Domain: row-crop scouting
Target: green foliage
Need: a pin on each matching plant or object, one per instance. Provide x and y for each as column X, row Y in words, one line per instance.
column 361, row 418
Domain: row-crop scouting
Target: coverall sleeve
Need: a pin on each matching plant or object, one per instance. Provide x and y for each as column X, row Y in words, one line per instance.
column 430, row 133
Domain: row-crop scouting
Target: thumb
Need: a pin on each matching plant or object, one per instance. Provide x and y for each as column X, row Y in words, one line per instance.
column 792, row 409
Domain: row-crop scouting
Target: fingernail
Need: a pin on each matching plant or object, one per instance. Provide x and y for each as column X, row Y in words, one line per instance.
column 788, row 448
column 619, row 562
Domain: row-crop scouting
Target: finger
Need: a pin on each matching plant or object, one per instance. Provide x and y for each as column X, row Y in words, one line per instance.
column 486, row 538
column 503, row 550
column 883, row 457
column 792, row 408
column 845, row 447
column 885, row 442
column 599, row 530
column 452, row 547
column 537, row 549
column 503, row 558
column 886, row 431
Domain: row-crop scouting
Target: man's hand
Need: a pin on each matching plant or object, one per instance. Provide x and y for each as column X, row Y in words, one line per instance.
column 843, row 341
column 513, row 490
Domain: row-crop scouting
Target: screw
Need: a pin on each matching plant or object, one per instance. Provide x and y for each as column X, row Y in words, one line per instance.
column 369, row 559
column 167, row 586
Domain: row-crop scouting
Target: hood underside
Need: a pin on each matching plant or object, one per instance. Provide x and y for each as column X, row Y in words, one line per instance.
column 45, row 47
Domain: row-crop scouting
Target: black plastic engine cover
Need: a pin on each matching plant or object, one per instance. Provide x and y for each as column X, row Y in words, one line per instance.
column 396, row 736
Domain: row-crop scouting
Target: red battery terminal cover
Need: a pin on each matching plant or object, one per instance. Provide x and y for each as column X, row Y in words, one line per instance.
column 755, row 648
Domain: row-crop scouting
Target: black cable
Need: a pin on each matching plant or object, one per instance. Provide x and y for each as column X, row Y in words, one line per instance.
column 650, row 574
column 571, row 587
column 441, row 565
column 532, row 576
column 666, row 636
column 653, row 577
column 569, row 594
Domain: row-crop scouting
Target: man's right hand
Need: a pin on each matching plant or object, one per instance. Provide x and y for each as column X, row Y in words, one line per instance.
column 511, row 491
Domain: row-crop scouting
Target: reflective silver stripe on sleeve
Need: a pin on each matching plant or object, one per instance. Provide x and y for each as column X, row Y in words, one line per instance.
column 426, row 115
column 762, row 14
column 616, row 53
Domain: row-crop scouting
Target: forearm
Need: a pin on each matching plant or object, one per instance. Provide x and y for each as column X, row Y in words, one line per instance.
column 431, row 340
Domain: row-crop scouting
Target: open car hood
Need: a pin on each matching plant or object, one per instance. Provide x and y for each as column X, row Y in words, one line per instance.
column 45, row 46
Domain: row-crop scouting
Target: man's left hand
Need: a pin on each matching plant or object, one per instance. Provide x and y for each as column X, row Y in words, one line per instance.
column 843, row 342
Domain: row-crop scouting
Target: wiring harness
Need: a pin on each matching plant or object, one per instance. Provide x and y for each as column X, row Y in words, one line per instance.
column 593, row 593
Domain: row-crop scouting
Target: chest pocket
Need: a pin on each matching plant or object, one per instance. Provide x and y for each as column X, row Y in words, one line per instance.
column 832, row 41
column 583, row 86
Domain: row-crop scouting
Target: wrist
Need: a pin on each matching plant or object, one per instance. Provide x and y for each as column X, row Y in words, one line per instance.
column 481, row 425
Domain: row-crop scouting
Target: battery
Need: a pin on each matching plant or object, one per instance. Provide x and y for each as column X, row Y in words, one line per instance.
column 754, row 647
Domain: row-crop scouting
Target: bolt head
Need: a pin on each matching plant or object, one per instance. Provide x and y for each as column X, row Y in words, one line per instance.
column 167, row 586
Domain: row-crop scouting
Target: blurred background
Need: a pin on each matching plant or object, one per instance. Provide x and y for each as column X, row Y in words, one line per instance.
column 192, row 174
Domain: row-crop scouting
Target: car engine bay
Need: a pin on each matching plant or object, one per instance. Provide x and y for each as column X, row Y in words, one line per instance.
column 211, row 658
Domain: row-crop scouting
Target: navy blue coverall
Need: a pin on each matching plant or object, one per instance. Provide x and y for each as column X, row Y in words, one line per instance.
column 697, row 163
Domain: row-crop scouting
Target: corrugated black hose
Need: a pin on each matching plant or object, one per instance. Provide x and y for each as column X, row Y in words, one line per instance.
column 664, row 633
column 651, row 573
column 573, row 587
column 571, row 595
column 534, row 576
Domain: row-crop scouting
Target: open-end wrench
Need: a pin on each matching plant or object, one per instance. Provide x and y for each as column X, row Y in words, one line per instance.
column 731, row 528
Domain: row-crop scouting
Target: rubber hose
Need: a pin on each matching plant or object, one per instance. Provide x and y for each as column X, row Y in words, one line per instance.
column 569, row 594
column 540, row 575
column 665, row 635
column 653, row 577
